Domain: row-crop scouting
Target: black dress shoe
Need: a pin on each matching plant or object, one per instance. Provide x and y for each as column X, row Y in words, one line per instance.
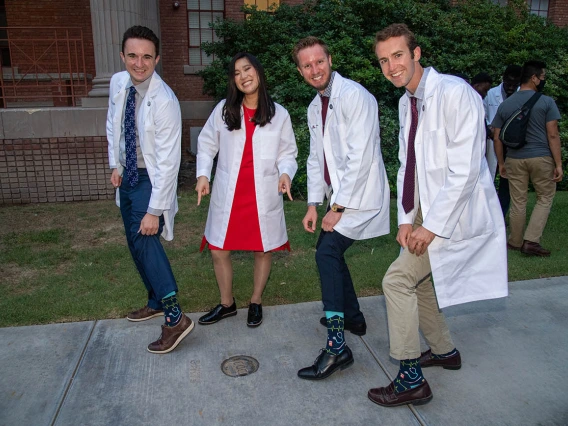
column 326, row 364
column 218, row 313
column 254, row 318
column 357, row 328
column 451, row 363
column 387, row 397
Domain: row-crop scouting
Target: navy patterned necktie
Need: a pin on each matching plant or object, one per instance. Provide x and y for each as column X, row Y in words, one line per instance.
column 130, row 138
column 408, row 185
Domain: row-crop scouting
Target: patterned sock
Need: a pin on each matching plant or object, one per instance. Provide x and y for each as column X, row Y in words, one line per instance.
column 172, row 310
column 335, row 333
column 409, row 375
column 450, row 354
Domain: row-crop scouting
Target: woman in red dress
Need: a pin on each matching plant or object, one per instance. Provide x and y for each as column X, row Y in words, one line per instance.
column 256, row 148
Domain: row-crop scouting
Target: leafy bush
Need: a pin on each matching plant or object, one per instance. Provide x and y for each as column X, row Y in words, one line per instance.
column 473, row 36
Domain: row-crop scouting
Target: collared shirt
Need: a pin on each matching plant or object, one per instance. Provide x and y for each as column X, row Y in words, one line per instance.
column 141, row 90
column 327, row 91
column 419, row 93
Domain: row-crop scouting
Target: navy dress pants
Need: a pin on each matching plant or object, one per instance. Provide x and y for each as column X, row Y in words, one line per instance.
column 337, row 291
column 147, row 250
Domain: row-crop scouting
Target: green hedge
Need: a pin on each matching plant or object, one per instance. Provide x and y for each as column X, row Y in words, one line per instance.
column 472, row 37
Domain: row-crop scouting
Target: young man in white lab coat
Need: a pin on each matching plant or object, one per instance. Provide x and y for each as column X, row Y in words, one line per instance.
column 144, row 150
column 346, row 166
column 450, row 224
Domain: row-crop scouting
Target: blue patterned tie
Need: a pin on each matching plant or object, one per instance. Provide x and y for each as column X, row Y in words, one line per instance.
column 130, row 138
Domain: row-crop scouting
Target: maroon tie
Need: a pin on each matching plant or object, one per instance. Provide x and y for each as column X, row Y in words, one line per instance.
column 324, row 104
column 408, row 187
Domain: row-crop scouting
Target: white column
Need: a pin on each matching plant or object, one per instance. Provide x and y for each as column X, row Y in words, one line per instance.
column 110, row 19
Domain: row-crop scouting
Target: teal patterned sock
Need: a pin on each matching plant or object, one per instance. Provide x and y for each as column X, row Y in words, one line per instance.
column 172, row 310
column 335, row 335
column 409, row 375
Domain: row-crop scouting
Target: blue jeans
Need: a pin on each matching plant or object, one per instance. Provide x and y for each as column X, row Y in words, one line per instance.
column 337, row 291
column 146, row 250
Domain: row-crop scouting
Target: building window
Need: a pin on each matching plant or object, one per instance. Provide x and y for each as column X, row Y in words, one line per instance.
column 539, row 7
column 262, row 4
column 200, row 14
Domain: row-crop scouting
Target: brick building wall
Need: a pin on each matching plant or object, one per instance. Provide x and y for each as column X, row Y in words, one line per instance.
column 49, row 13
column 54, row 169
column 558, row 12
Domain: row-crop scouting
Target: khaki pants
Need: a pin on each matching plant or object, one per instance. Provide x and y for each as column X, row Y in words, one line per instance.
column 540, row 171
column 412, row 306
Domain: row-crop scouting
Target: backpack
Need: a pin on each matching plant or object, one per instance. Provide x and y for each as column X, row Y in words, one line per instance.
column 514, row 131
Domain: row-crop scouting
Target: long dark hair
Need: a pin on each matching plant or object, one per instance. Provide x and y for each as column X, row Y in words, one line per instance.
column 232, row 108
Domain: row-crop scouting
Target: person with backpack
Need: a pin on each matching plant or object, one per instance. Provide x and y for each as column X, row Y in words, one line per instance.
column 537, row 158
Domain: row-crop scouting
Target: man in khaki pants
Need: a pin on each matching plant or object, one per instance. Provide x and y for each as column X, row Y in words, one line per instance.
column 451, row 227
column 539, row 160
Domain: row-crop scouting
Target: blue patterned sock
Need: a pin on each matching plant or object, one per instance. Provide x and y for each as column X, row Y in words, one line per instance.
column 335, row 332
column 409, row 375
column 172, row 310
column 450, row 354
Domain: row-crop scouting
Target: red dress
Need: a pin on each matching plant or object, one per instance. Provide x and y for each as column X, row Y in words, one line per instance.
column 243, row 231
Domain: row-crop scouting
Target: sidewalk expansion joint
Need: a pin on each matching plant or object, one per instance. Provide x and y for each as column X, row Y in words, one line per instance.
column 68, row 387
column 414, row 411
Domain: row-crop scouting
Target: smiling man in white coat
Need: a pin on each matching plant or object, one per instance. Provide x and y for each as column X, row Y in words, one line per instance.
column 345, row 165
column 450, row 223
column 144, row 150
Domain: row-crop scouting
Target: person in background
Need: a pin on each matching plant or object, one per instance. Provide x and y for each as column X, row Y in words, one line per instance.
column 539, row 161
column 509, row 85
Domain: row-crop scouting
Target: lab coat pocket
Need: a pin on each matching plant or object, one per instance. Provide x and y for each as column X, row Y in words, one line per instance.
column 435, row 149
column 475, row 220
column 220, row 188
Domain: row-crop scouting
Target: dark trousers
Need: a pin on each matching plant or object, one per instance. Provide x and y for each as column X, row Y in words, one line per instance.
column 147, row 250
column 337, row 291
column 504, row 195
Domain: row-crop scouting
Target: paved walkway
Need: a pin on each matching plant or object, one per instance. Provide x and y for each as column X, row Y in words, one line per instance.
column 514, row 370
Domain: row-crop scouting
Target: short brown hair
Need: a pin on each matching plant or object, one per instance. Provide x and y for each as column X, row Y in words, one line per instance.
column 397, row 30
column 306, row 42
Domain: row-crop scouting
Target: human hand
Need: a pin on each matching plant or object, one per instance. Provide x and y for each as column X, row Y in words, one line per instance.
column 558, row 174
column 330, row 220
column 284, row 185
column 310, row 219
column 403, row 235
column 149, row 225
column 503, row 171
column 419, row 240
column 202, row 188
column 115, row 178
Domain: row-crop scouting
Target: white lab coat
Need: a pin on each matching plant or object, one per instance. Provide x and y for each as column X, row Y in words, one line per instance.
column 491, row 102
column 458, row 200
column 352, row 147
column 160, row 141
column 274, row 153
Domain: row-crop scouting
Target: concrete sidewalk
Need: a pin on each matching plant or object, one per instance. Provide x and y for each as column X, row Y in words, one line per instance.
column 514, row 354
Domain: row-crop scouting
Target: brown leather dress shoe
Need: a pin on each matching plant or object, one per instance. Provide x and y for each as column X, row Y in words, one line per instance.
column 451, row 363
column 387, row 397
column 171, row 336
column 534, row 249
column 144, row 314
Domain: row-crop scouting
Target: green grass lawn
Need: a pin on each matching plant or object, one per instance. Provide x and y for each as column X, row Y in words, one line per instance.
column 69, row 261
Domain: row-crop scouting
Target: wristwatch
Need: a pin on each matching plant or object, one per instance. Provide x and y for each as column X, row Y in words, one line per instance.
column 337, row 209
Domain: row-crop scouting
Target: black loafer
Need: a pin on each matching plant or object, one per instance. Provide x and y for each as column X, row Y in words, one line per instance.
column 326, row 364
column 357, row 328
column 218, row 313
column 254, row 318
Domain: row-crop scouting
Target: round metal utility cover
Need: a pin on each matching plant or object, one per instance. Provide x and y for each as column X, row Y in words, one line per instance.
column 240, row 365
